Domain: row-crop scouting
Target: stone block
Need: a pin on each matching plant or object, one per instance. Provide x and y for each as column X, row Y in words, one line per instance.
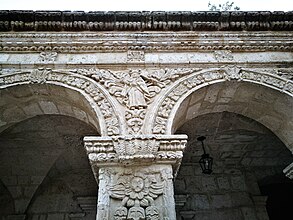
column 16, row 191
column 238, row 183
column 179, row 186
column 16, row 217
column 193, row 111
column 248, row 213
column 212, row 94
column 48, row 107
column 30, row 190
column 36, row 179
column 23, row 180
column 223, row 183
column 200, row 201
column 21, row 205
column 55, row 216
column 186, row 171
column 80, row 114
column 209, row 184
column 221, row 201
column 193, row 184
column 13, row 114
column 198, row 96
column 42, row 217
column 9, row 180
column 32, row 109
column 240, row 199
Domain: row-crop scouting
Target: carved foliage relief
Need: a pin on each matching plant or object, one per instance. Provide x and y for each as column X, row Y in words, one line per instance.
column 135, row 88
column 136, row 192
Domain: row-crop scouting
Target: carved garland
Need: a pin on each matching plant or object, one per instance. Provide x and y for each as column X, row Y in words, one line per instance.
column 40, row 76
column 274, row 80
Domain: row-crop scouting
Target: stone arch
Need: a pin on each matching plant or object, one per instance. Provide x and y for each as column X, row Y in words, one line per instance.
column 176, row 100
column 97, row 99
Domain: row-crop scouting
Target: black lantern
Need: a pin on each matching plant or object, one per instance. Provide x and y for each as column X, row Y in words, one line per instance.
column 206, row 162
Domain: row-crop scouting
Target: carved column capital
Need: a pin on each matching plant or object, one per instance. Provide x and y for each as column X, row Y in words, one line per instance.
column 135, row 150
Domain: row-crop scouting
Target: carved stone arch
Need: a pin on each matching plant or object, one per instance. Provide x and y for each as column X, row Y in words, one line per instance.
column 110, row 121
column 169, row 105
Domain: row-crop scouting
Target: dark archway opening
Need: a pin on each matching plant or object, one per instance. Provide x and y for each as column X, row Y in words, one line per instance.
column 279, row 201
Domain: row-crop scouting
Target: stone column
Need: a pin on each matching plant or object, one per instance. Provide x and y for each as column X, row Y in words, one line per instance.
column 135, row 175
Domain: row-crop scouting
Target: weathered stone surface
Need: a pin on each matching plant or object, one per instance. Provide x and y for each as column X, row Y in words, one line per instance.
column 136, row 79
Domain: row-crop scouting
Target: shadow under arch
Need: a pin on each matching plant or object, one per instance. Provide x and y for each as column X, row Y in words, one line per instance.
column 244, row 151
column 261, row 103
column 6, row 201
column 36, row 145
column 68, row 183
column 63, row 86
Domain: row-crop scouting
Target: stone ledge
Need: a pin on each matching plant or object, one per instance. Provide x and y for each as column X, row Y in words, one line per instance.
column 289, row 171
column 144, row 21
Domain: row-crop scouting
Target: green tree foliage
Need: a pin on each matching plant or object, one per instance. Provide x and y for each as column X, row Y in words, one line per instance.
column 227, row 6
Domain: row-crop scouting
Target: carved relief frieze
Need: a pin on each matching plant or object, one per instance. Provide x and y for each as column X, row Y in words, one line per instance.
column 47, row 75
column 135, row 88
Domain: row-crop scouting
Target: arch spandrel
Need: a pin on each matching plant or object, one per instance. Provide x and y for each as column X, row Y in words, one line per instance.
column 104, row 107
column 162, row 120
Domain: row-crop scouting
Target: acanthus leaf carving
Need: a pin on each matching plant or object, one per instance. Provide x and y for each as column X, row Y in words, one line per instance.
column 135, row 119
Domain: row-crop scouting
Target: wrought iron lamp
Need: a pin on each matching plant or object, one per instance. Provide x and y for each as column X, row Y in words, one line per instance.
column 206, row 162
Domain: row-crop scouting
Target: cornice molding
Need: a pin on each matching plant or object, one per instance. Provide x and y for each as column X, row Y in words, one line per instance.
column 146, row 41
column 145, row 21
